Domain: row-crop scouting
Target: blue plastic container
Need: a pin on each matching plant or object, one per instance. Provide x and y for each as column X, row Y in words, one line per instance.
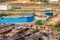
column 25, row 19
column 48, row 13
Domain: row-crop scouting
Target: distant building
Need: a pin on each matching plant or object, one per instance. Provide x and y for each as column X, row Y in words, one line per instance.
column 24, row 1
column 5, row 7
column 21, row 1
column 53, row 0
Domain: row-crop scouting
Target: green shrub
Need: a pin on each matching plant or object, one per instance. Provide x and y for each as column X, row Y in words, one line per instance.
column 3, row 14
column 57, row 25
column 38, row 22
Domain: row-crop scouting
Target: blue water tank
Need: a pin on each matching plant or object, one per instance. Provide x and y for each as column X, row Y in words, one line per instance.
column 25, row 19
column 48, row 13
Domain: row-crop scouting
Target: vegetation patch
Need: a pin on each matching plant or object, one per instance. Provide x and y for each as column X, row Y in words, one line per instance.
column 38, row 22
column 58, row 26
column 3, row 14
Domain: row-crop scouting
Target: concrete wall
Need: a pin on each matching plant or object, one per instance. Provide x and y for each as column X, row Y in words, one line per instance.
column 5, row 7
